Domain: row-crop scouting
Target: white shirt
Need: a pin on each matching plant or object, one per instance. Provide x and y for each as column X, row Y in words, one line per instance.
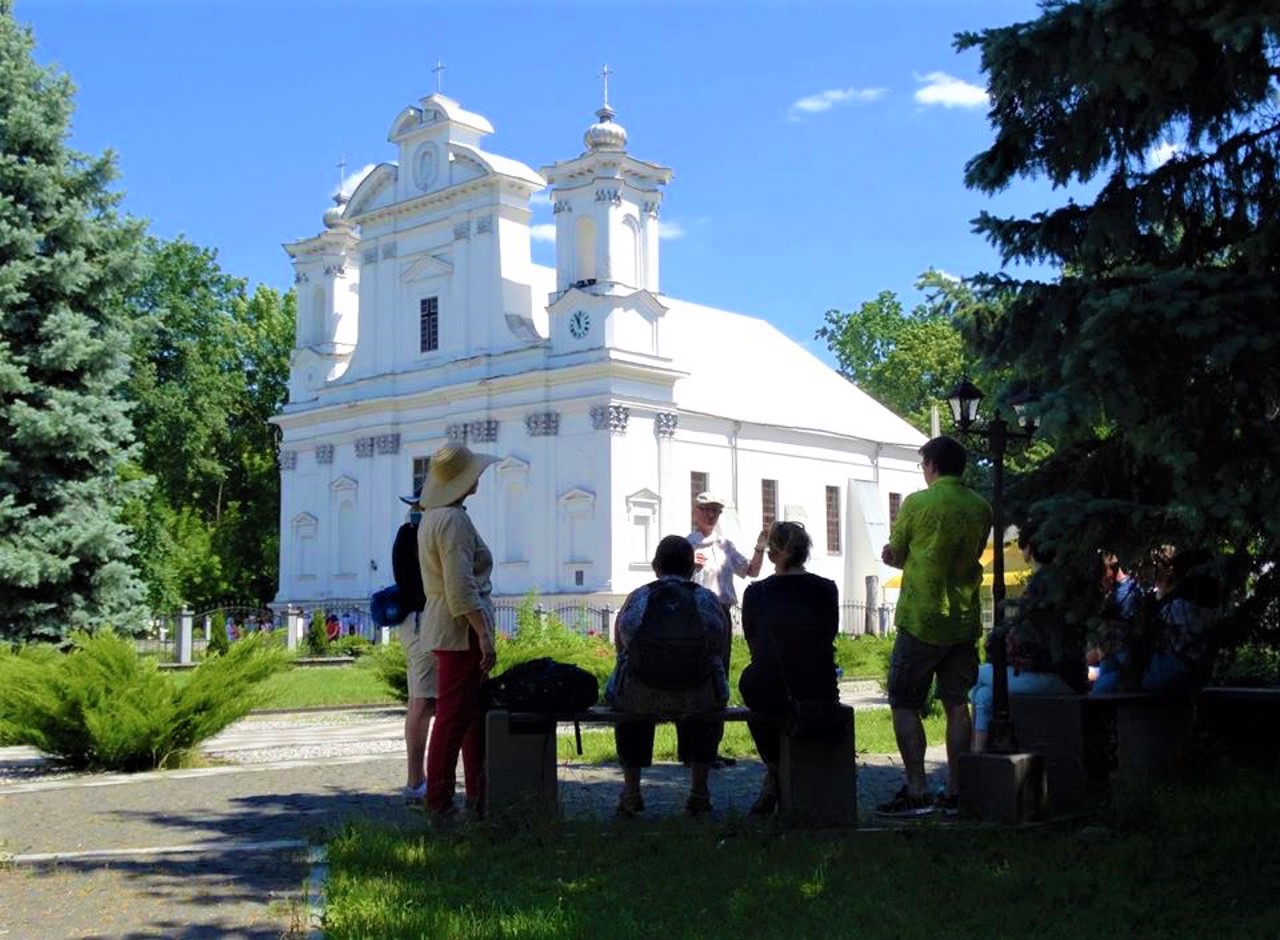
column 721, row 561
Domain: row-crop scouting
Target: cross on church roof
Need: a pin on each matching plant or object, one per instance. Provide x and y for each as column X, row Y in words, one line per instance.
column 604, row 74
column 439, row 74
column 342, row 179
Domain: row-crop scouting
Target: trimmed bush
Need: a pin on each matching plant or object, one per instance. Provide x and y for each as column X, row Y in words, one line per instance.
column 101, row 706
column 353, row 644
column 218, row 642
column 316, row 642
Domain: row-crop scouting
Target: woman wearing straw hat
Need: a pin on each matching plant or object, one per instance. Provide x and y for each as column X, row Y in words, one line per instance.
column 457, row 621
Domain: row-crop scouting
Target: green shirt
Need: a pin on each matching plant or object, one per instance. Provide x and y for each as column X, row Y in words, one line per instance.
column 940, row 534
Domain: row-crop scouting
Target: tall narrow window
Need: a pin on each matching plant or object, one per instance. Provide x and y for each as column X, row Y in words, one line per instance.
column 698, row 483
column 420, row 467
column 833, row 520
column 895, row 504
column 769, row 502
column 429, row 324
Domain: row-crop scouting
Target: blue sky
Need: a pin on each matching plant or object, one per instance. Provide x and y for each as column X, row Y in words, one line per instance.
column 818, row 148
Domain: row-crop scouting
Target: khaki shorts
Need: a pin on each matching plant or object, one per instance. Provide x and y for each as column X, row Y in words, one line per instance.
column 421, row 659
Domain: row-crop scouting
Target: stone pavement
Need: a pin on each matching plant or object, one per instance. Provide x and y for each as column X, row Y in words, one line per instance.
column 223, row 851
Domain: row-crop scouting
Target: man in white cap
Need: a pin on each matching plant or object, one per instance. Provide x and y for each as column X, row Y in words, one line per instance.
column 717, row 561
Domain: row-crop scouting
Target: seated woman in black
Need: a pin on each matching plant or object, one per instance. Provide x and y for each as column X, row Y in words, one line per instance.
column 790, row 621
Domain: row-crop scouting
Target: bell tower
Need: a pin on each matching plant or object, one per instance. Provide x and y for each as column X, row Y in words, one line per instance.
column 606, row 205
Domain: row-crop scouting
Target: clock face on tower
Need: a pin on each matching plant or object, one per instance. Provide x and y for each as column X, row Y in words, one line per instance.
column 579, row 324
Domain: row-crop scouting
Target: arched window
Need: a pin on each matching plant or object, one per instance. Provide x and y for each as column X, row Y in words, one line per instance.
column 629, row 265
column 585, row 242
column 319, row 317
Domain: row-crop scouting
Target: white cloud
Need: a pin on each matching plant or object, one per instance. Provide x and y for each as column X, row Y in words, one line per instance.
column 670, row 231
column 540, row 200
column 826, row 100
column 543, row 232
column 949, row 92
column 352, row 180
column 1162, row 153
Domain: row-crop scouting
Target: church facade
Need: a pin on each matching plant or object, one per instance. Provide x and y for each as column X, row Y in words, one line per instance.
column 422, row 320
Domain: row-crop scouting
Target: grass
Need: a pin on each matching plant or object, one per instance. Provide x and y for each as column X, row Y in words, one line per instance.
column 873, row 731
column 1179, row 862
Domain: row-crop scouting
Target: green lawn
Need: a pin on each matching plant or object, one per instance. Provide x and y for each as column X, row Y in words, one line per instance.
column 1193, row 862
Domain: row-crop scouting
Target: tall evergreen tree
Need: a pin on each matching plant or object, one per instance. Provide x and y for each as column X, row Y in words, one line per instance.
column 66, row 260
column 1155, row 349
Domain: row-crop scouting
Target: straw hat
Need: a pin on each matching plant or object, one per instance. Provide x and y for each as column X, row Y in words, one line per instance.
column 452, row 471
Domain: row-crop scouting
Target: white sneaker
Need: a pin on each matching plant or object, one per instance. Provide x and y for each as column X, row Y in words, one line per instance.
column 413, row 795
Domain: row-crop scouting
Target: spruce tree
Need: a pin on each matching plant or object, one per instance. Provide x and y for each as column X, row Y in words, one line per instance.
column 66, row 261
column 1155, row 349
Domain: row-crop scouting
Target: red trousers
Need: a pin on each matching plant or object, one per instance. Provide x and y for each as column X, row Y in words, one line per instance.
column 458, row 727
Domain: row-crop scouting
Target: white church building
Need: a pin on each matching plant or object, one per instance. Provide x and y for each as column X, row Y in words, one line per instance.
column 422, row 321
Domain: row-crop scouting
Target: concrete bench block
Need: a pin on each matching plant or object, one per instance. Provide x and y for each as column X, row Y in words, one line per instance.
column 1072, row 740
column 818, row 781
column 1003, row 788
column 520, row 757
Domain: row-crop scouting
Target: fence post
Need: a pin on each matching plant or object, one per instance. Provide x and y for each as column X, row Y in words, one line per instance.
column 185, row 619
column 873, row 591
column 606, row 622
column 291, row 628
column 541, row 613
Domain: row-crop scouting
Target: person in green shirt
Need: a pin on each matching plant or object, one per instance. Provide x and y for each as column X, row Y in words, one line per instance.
column 937, row 540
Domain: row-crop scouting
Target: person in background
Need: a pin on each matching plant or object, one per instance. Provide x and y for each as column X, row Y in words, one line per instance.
column 457, row 623
column 790, row 620
column 420, row 658
column 669, row 638
column 1189, row 604
column 1123, row 605
column 1039, row 655
column 716, row 562
column 937, row 541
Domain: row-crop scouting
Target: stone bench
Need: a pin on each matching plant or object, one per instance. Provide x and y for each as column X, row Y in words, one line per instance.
column 818, row 784
column 1243, row 721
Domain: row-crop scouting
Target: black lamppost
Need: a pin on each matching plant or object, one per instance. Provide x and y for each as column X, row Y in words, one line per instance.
column 963, row 400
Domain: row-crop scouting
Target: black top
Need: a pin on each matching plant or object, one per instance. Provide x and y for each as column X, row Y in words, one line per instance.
column 790, row 622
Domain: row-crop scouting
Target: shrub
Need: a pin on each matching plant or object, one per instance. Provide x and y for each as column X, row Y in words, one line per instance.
column 353, row 644
column 546, row 635
column 1249, row 665
column 388, row 663
column 316, row 642
column 101, row 706
column 218, row 642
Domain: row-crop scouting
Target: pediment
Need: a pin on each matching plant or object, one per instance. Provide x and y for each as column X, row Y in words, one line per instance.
column 428, row 266
column 344, row 482
column 577, row 497
column 512, row 465
column 642, row 300
column 408, row 120
column 376, row 190
column 464, row 167
column 644, row 497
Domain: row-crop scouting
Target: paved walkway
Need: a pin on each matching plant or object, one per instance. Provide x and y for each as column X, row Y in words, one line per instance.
column 223, row 852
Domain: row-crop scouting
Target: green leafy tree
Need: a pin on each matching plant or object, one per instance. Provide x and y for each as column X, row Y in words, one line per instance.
column 211, row 366
column 1155, row 349
column 66, row 262
column 906, row 360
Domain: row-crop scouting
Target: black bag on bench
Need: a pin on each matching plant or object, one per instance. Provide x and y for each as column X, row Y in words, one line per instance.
column 543, row 685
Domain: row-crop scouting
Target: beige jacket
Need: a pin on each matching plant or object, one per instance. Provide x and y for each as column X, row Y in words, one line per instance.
column 456, row 568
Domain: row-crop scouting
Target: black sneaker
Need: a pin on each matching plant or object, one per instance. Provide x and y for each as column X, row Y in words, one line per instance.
column 905, row 806
column 698, row 804
column 948, row 804
column 721, row 762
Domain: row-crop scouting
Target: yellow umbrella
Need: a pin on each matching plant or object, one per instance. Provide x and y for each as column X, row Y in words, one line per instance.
column 1016, row 570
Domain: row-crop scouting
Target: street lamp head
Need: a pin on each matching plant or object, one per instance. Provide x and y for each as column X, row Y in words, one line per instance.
column 1026, row 405
column 963, row 400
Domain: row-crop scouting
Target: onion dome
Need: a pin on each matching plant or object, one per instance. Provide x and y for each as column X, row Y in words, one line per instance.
column 606, row 134
column 333, row 216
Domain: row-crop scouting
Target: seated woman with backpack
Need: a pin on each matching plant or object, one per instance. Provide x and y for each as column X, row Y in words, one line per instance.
column 790, row 620
column 671, row 636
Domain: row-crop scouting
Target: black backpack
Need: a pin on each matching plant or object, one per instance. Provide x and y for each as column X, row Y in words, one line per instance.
column 405, row 570
column 671, row 650
column 543, row 685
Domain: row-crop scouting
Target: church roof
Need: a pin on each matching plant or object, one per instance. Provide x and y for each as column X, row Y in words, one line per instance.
column 744, row 368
